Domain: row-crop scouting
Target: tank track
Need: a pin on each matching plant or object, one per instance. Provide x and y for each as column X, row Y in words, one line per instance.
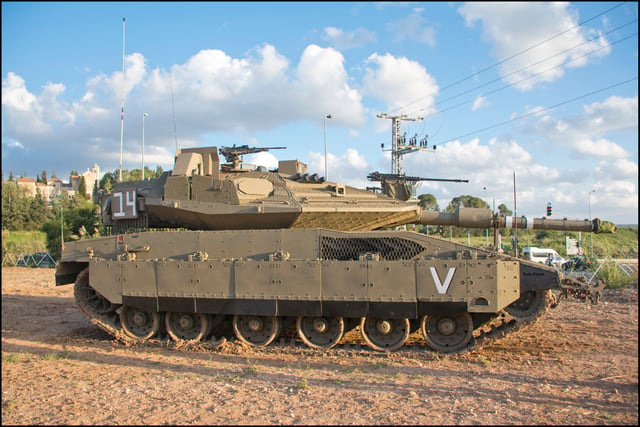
column 489, row 332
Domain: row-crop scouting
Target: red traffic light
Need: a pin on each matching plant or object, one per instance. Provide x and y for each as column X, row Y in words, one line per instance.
column 549, row 209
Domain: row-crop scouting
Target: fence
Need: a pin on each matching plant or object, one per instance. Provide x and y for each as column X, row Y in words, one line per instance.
column 38, row 259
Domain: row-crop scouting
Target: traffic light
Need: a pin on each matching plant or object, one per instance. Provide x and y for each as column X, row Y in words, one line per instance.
column 549, row 209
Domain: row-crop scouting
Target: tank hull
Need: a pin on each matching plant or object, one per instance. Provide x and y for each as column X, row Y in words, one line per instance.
column 283, row 274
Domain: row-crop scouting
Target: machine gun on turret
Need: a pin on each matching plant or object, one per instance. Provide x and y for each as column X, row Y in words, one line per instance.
column 397, row 185
column 233, row 154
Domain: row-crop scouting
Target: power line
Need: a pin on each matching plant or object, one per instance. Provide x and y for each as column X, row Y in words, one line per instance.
column 524, row 79
column 540, row 111
column 510, row 57
column 536, row 63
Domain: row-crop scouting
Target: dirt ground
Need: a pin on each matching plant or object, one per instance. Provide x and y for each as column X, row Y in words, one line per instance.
column 576, row 365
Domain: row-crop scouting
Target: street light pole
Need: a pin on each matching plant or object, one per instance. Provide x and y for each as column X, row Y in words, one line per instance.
column 122, row 109
column 591, row 234
column 143, row 116
column 61, row 227
column 486, row 230
column 324, row 123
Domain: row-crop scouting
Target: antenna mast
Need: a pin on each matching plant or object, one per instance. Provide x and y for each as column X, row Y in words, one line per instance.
column 122, row 113
column 173, row 108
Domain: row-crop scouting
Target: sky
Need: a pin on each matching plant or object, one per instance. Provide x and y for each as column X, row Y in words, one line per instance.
column 546, row 93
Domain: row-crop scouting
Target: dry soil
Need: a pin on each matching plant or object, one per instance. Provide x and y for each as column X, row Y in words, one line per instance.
column 576, row 365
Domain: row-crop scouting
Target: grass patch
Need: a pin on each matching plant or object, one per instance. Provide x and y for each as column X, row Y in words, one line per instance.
column 302, row 383
column 382, row 364
column 615, row 278
column 11, row 358
column 58, row 355
column 250, row 370
column 23, row 242
column 484, row 362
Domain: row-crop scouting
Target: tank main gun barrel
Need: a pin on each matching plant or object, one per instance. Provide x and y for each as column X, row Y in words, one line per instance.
column 485, row 218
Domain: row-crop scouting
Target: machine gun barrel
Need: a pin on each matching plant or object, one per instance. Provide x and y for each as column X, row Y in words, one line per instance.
column 232, row 154
column 377, row 176
column 485, row 218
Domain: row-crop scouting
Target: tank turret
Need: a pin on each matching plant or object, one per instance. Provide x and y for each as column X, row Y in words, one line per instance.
column 200, row 193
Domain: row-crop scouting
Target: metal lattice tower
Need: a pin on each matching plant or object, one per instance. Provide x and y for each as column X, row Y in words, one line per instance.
column 399, row 145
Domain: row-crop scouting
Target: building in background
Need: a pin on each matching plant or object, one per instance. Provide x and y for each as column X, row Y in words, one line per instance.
column 55, row 187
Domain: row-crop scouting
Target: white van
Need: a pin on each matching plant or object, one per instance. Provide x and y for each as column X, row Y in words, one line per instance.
column 541, row 254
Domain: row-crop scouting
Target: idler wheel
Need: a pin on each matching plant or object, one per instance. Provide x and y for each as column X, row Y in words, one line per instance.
column 139, row 324
column 385, row 334
column 320, row 332
column 187, row 326
column 90, row 300
column 447, row 333
column 530, row 305
column 258, row 331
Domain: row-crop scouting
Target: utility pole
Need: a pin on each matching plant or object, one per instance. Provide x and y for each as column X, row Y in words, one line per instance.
column 122, row 110
column 399, row 146
column 61, row 228
column 324, row 125
column 143, row 116
column 515, row 223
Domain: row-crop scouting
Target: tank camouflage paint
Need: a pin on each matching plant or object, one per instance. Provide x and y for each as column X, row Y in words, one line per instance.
column 212, row 250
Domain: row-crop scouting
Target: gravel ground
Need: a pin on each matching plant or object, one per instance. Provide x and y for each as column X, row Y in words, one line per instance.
column 576, row 365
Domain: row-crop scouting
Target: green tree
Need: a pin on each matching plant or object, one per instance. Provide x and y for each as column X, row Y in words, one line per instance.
column 466, row 201
column 428, row 202
column 82, row 188
column 135, row 175
column 43, row 177
column 108, row 181
column 10, row 176
column 503, row 210
column 15, row 207
column 39, row 212
column 78, row 215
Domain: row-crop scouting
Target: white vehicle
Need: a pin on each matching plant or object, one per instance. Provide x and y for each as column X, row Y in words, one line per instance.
column 542, row 254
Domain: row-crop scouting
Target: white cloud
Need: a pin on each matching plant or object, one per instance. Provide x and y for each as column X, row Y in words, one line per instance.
column 512, row 27
column 213, row 92
column 413, row 28
column 350, row 168
column 614, row 113
column 478, row 103
column 584, row 133
column 620, row 169
column 23, row 116
column 343, row 41
column 265, row 159
column 399, row 82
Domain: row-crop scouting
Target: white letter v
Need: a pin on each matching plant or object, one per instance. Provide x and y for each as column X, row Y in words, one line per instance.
column 442, row 287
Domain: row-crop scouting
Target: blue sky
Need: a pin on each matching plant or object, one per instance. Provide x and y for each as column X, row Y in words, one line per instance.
column 546, row 90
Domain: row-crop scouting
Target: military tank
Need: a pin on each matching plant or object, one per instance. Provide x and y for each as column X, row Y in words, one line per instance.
column 210, row 249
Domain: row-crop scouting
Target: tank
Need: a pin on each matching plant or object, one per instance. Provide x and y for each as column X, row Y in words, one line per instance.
column 210, row 251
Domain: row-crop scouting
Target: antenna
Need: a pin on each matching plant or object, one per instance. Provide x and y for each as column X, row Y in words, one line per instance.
column 122, row 113
column 173, row 108
column 515, row 223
